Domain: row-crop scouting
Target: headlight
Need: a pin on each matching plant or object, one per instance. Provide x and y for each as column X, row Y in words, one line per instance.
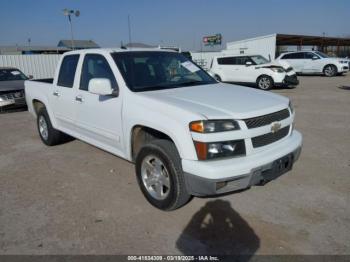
column 277, row 69
column 213, row 126
column 291, row 107
column 212, row 150
column 343, row 62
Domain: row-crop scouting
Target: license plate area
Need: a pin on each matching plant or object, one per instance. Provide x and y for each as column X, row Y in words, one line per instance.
column 279, row 167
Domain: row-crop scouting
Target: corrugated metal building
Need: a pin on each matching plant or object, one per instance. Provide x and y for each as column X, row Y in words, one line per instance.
column 263, row 45
column 273, row 45
column 39, row 66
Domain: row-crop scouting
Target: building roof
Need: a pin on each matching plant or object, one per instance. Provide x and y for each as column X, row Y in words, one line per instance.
column 305, row 40
column 16, row 48
column 139, row 45
column 285, row 39
column 78, row 44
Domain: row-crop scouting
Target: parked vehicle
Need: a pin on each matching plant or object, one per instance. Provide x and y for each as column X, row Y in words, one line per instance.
column 252, row 69
column 186, row 133
column 11, row 88
column 315, row 62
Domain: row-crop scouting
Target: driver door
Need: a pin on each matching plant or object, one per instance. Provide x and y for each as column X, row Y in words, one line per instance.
column 99, row 117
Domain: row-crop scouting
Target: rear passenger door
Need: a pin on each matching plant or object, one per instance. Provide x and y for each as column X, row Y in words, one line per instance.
column 228, row 69
column 99, row 117
column 63, row 93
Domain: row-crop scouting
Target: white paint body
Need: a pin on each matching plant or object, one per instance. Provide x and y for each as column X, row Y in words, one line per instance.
column 245, row 73
column 314, row 66
column 109, row 124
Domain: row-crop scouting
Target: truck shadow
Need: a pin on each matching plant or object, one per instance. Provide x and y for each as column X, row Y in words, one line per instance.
column 217, row 229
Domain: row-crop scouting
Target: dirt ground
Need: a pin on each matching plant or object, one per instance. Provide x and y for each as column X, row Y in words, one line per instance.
column 77, row 199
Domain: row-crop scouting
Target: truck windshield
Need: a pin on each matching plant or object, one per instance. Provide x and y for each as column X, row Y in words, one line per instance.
column 156, row 70
column 11, row 75
column 259, row 60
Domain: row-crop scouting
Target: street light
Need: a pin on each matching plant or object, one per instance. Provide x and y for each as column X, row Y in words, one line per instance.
column 68, row 13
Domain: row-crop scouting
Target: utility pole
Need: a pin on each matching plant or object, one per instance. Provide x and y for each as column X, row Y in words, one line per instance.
column 129, row 28
column 68, row 13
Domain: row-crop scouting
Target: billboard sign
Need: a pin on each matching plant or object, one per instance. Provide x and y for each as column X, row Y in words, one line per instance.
column 212, row 40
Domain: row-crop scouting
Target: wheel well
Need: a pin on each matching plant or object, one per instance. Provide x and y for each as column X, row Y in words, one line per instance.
column 37, row 105
column 142, row 135
column 266, row 76
column 330, row 65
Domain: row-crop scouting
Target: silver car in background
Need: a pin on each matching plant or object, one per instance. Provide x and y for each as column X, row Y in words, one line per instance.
column 11, row 88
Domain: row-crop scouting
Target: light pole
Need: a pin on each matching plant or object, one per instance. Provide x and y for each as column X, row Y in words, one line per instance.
column 68, row 13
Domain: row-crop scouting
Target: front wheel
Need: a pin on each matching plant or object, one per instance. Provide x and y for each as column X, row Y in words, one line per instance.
column 265, row 82
column 330, row 70
column 160, row 176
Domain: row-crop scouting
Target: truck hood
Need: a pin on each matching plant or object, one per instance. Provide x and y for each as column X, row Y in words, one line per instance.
column 11, row 85
column 220, row 100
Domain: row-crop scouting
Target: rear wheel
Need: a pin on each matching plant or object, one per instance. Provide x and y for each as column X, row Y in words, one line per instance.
column 49, row 135
column 330, row 70
column 160, row 176
column 265, row 82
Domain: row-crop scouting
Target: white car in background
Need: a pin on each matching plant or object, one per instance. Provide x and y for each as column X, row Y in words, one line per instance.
column 252, row 69
column 315, row 62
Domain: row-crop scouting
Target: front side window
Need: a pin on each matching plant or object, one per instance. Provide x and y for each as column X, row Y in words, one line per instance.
column 259, row 60
column 242, row 60
column 156, row 70
column 95, row 66
column 11, row 75
column 310, row 55
column 67, row 71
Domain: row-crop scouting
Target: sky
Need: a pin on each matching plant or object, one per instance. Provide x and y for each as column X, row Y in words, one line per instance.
column 182, row 23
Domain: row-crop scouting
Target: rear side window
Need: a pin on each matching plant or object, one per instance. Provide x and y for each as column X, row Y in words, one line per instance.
column 95, row 66
column 67, row 71
column 227, row 61
column 293, row 56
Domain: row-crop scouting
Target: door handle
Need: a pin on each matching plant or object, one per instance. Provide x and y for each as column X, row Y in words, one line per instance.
column 55, row 93
column 79, row 99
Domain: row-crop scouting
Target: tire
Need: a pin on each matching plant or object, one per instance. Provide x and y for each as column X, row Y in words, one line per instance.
column 264, row 82
column 160, row 176
column 49, row 135
column 330, row 70
column 217, row 78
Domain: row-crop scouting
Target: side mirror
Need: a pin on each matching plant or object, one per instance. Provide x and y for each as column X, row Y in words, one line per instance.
column 248, row 63
column 102, row 86
column 315, row 58
column 30, row 77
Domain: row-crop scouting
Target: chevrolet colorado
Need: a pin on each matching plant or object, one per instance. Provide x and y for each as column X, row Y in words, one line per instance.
column 187, row 134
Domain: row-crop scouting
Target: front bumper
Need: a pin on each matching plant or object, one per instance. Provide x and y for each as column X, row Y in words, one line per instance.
column 204, row 178
column 289, row 80
column 12, row 104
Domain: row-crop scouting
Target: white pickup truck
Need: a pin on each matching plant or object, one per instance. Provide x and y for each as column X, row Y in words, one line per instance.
column 187, row 134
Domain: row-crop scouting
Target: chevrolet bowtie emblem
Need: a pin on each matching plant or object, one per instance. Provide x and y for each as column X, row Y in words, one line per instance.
column 275, row 127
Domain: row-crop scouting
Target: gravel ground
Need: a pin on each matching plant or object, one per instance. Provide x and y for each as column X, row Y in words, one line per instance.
column 77, row 199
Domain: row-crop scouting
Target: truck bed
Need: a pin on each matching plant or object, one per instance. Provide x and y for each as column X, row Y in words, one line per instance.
column 44, row 80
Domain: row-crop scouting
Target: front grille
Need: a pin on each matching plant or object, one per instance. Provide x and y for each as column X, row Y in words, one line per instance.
column 12, row 95
column 270, row 138
column 266, row 119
